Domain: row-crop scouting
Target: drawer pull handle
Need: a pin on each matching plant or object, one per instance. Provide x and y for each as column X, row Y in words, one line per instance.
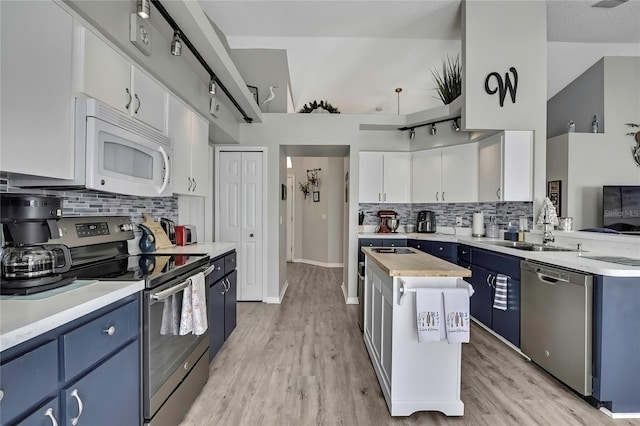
column 130, row 98
column 1, row 395
column 49, row 413
column 74, row 393
column 139, row 104
column 110, row 331
column 186, row 365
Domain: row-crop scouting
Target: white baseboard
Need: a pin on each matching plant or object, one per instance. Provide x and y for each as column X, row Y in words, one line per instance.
column 502, row 339
column 348, row 300
column 620, row 415
column 316, row 263
column 278, row 300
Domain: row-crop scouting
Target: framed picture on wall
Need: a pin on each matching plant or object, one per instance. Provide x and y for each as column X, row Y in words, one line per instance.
column 554, row 188
column 316, row 196
column 283, row 191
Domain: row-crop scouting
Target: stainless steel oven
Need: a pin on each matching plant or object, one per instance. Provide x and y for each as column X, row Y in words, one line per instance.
column 175, row 367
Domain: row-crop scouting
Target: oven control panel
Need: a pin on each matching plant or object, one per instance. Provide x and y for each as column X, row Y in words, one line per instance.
column 92, row 229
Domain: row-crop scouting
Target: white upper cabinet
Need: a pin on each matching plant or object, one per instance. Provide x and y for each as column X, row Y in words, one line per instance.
column 505, row 167
column 190, row 135
column 445, row 174
column 37, row 102
column 384, row 177
column 106, row 75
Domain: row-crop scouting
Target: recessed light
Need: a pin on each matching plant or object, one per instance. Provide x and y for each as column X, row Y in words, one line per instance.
column 608, row 4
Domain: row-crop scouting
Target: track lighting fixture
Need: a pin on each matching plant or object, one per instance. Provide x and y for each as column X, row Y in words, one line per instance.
column 212, row 86
column 176, row 44
column 144, row 8
column 412, row 134
column 455, row 125
column 432, row 129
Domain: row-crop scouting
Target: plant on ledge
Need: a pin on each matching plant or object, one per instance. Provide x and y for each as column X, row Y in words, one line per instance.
column 450, row 81
column 304, row 187
column 322, row 107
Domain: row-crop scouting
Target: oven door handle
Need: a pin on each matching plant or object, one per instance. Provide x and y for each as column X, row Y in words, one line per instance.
column 161, row 295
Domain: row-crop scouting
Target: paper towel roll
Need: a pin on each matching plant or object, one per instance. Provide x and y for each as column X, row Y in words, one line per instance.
column 477, row 229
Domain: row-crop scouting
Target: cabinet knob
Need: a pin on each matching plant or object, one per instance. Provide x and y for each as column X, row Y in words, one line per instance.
column 218, row 268
column 251, row 235
column 441, row 248
column 74, row 393
column 418, row 246
column 110, row 331
column 49, row 413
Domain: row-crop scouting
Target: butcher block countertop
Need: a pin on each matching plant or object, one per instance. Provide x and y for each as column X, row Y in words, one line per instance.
column 414, row 264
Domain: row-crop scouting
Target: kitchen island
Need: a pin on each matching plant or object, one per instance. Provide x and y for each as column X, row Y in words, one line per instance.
column 413, row 376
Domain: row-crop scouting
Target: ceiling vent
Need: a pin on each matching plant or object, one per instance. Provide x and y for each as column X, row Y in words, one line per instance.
column 608, row 4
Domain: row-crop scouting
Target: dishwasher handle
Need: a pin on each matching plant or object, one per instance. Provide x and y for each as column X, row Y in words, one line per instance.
column 549, row 280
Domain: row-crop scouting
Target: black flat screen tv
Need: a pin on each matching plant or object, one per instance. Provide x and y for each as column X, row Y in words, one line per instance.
column 621, row 208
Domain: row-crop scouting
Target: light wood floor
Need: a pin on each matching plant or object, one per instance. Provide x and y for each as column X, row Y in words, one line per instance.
column 304, row 363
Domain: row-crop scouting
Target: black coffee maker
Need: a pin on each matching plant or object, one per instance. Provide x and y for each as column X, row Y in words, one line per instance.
column 28, row 264
column 426, row 221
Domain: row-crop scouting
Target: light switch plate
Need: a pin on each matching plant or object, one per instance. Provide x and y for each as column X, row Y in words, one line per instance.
column 140, row 34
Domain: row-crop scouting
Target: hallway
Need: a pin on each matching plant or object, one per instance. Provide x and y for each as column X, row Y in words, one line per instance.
column 304, row 363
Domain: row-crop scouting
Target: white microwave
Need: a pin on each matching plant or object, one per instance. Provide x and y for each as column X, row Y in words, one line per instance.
column 115, row 153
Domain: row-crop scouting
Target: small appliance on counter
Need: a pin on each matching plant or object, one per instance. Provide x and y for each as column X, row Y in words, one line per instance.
column 185, row 235
column 28, row 264
column 426, row 222
column 169, row 228
column 389, row 221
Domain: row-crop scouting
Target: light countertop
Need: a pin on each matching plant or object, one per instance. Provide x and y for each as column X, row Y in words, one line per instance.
column 25, row 317
column 569, row 259
column 213, row 249
column 415, row 264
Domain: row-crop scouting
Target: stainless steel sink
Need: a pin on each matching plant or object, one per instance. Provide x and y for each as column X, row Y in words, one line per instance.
column 521, row 245
column 391, row 250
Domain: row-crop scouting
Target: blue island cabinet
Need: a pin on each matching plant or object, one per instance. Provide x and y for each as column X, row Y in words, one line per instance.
column 86, row 372
column 223, row 295
column 485, row 266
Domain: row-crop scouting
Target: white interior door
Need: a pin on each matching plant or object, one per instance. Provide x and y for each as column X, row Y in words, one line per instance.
column 241, row 200
column 289, row 218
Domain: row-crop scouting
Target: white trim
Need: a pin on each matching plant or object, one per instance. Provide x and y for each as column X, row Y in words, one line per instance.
column 502, row 339
column 620, row 415
column 292, row 235
column 278, row 300
column 316, row 263
column 265, row 229
column 348, row 300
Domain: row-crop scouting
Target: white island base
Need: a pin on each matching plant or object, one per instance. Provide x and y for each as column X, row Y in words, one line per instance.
column 413, row 376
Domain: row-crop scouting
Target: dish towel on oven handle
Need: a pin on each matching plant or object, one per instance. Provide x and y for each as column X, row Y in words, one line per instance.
column 429, row 315
column 170, row 324
column 456, row 311
column 194, row 307
column 500, row 295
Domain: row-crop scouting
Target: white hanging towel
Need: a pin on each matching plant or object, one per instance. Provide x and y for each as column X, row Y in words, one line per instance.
column 456, row 311
column 500, row 295
column 429, row 315
column 194, row 307
column 170, row 324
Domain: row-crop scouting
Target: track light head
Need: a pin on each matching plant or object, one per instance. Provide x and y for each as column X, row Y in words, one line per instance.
column 144, row 8
column 212, row 86
column 176, row 44
column 412, row 134
column 456, row 125
column 432, row 130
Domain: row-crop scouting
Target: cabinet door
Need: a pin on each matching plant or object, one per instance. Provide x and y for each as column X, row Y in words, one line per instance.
column 149, row 100
column 109, row 395
column 490, row 169
column 179, row 129
column 368, row 304
column 460, row 173
column 46, row 415
column 367, row 242
column 216, row 318
column 199, row 155
column 400, row 242
column 507, row 323
column 517, row 166
column 482, row 300
column 230, row 299
column 387, row 330
column 426, row 176
column 36, row 44
column 443, row 250
column 371, row 175
column 419, row 244
column 396, row 177
column 105, row 74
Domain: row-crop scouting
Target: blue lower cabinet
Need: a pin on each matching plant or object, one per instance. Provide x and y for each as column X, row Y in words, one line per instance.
column 481, row 303
column 444, row 250
column 507, row 323
column 419, row 244
column 230, row 302
column 394, row 242
column 367, row 242
column 216, row 318
column 108, row 395
column 47, row 415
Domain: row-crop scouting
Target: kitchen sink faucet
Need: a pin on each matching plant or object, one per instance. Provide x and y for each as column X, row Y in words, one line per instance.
column 547, row 237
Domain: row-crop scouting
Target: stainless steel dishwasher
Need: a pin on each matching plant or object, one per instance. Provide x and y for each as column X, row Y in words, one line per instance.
column 556, row 322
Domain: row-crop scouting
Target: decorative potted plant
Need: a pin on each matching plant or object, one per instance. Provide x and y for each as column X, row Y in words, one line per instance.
column 450, row 81
column 321, row 107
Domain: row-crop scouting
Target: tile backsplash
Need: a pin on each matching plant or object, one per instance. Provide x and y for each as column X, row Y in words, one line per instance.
column 95, row 203
column 446, row 213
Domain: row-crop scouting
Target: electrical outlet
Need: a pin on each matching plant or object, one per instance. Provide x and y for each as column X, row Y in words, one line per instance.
column 458, row 221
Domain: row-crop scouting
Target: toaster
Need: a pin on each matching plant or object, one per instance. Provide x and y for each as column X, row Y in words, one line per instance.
column 186, row 234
